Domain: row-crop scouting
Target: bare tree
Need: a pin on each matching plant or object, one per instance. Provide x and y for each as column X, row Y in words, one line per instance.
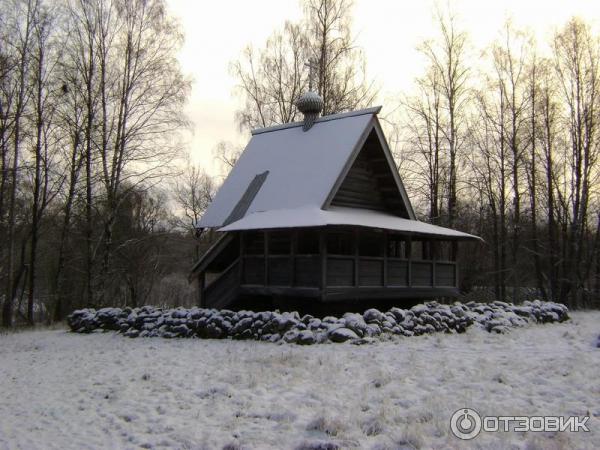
column 577, row 59
column 342, row 80
column 271, row 79
column 193, row 192
column 226, row 154
column 43, row 64
column 21, row 23
column 447, row 57
column 424, row 148
column 510, row 59
column 147, row 110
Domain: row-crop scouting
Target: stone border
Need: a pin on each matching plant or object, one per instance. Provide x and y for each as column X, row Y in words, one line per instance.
column 274, row 326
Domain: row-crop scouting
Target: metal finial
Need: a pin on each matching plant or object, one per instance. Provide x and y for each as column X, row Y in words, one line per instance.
column 310, row 103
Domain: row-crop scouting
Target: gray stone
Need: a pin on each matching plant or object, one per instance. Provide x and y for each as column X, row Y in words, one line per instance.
column 342, row 334
column 306, row 337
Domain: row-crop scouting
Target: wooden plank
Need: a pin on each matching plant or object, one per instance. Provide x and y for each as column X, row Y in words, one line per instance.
column 356, row 237
column 266, row 253
column 293, row 256
column 323, row 254
column 433, row 250
column 298, row 292
column 349, row 163
column 280, row 273
column 445, row 274
column 341, row 272
column 370, row 273
column 421, row 273
column 253, row 270
column 335, row 294
column 397, row 273
column 307, row 271
column 223, row 290
column 365, row 205
column 201, row 287
column 409, row 256
column 385, row 257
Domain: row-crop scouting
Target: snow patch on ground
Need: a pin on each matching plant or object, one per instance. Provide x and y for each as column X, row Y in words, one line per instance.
column 75, row 391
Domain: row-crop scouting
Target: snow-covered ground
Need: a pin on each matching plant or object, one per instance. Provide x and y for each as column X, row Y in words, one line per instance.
column 73, row 391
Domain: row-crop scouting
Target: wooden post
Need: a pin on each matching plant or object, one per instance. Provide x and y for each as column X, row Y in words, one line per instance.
column 293, row 249
column 323, row 254
column 409, row 258
column 454, row 258
column 201, row 285
column 356, row 257
column 433, row 252
column 266, row 251
column 242, row 259
column 385, row 258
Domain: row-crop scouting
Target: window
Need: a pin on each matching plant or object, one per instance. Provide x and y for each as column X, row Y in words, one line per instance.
column 444, row 251
column 340, row 243
column 308, row 242
column 279, row 243
column 254, row 243
column 396, row 247
column 371, row 243
column 422, row 250
column 417, row 250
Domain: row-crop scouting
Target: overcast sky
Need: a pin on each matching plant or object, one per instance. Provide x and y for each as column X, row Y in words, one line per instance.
column 387, row 30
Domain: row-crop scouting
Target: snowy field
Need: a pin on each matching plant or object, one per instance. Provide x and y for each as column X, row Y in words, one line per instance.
column 73, row 391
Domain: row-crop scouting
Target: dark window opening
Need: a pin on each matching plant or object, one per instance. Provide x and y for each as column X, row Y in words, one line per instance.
column 420, row 250
column 397, row 247
column 279, row 243
column 308, row 242
column 444, row 251
column 371, row 244
column 340, row 243
column 254, row 243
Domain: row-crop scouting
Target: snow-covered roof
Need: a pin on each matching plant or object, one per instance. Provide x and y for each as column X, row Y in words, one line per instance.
column 284, row 167
column 287, row 177
column 311, row 216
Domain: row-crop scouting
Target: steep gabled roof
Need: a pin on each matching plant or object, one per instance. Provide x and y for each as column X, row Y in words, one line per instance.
column 284, row 167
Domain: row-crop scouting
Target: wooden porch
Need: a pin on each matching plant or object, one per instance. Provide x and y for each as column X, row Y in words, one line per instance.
column 334, row 264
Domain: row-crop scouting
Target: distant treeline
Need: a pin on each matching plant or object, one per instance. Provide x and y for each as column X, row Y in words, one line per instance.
column 506, row 146
column 91, row 99
column 96, row 211
column 502, row 142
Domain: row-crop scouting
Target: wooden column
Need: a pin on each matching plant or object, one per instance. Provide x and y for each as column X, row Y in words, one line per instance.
column 385, row 258
column 293, row 249
column 266, row 252
column 323, row 254
column 433, row 259
column 356, row 236
column 242, row 259
column 409, row 258
column 454, row 258
column 201, row 285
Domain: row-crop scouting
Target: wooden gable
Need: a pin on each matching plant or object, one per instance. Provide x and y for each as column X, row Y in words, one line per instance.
column 371, row 181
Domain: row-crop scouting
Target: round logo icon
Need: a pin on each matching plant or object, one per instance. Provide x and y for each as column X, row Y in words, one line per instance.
column 465, row 423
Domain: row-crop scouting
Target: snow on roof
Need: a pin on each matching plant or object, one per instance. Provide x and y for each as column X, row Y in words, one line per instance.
column 283, row 126
column 302, row 166
column 315, row 217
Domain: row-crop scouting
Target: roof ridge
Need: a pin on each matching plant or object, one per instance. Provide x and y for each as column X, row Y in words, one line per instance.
column 284, row 126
